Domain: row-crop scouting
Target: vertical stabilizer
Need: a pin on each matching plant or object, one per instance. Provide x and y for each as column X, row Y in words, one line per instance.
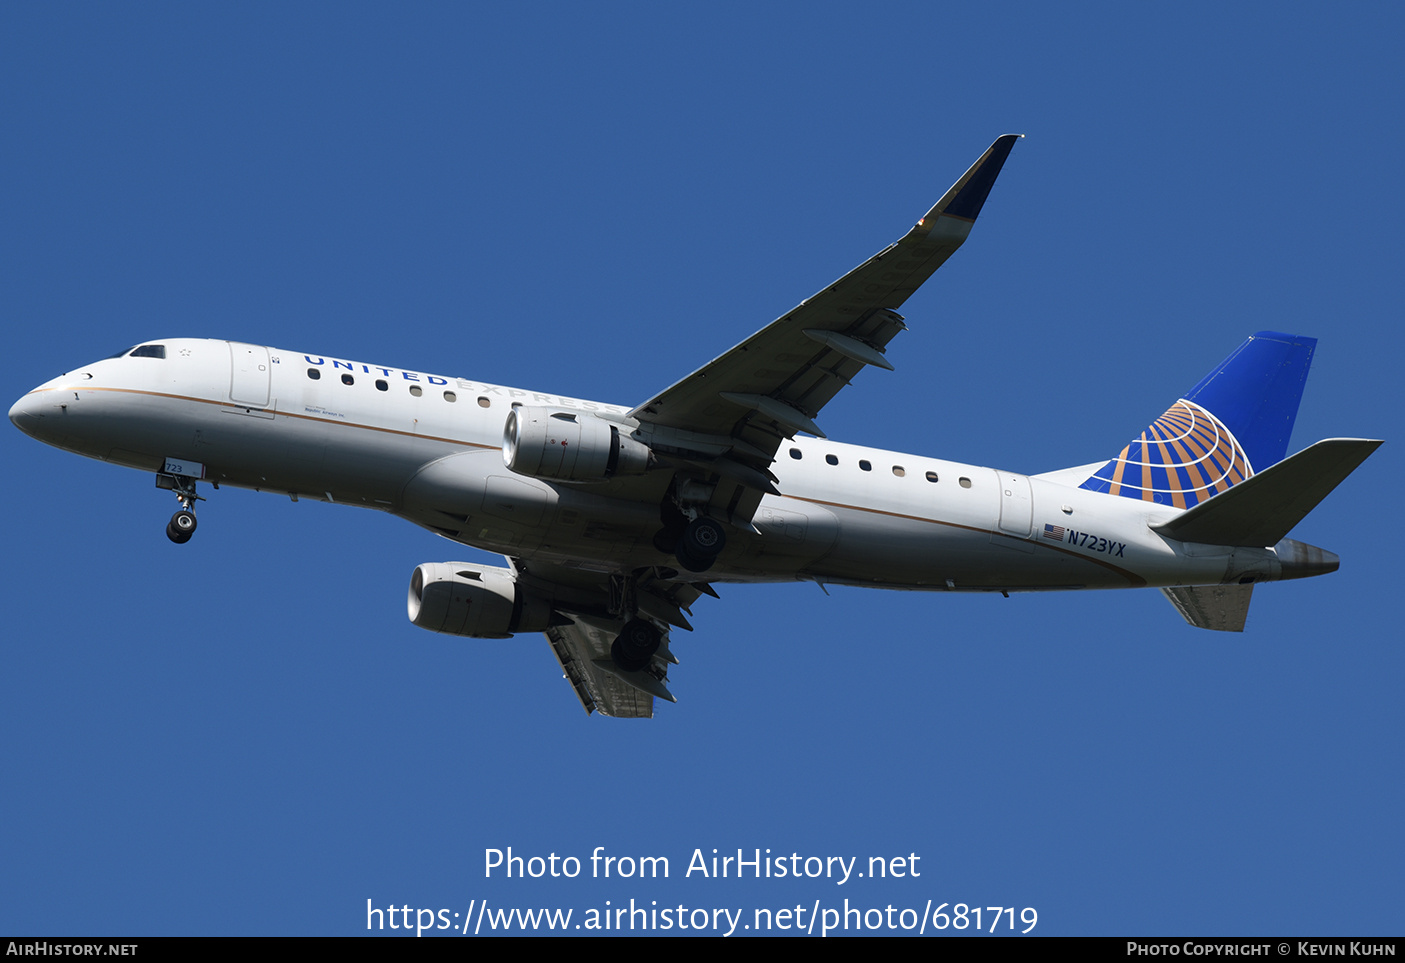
column 1236, row 421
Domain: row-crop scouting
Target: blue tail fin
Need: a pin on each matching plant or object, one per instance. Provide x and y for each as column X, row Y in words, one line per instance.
column 1234, row 422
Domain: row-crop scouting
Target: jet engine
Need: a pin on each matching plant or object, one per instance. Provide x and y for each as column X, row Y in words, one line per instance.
column 569, row 446
column 483, row 601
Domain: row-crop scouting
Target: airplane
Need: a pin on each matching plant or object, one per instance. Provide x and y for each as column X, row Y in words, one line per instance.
column 614, row 520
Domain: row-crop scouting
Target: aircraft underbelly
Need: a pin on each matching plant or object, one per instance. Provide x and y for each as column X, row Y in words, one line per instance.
column 877, row 549
column 471, row 497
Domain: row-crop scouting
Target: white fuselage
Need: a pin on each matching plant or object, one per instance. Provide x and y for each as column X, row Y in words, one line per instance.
column 428, row 448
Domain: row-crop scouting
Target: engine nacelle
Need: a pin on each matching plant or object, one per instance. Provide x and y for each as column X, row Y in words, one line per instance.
column 459, row 598
column 569, row 446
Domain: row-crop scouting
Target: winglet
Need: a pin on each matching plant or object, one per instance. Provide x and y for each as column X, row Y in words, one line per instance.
column 967, row 196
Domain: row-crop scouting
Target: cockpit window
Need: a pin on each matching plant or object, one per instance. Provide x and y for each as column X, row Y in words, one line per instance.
column 149, row 351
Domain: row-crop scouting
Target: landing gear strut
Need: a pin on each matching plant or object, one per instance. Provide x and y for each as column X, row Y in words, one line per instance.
column 182, row 523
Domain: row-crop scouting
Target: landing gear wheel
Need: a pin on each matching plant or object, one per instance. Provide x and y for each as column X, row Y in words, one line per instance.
column 702, row 541
column 181, row 526
column 690, row 562
column 636, row 645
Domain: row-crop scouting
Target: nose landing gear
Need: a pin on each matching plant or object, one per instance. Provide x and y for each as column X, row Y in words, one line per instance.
column 182, row 523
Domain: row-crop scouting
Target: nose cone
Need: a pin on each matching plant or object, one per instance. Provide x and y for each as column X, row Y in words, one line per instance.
column 25, row 416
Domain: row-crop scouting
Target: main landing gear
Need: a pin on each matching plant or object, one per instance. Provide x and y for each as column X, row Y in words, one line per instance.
column 639, row 655
column 700, row 544
column 694, row 539
column 636, row 645
column 634, row 648
column 182, row 523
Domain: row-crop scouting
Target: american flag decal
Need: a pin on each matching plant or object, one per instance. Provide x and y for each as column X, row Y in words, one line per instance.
column 1055, row 532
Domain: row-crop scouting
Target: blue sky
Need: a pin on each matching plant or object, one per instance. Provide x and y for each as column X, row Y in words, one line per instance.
column 245, row 735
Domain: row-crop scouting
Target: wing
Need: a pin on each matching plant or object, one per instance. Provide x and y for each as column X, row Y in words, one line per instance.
column 730, row 416
column 588, row 606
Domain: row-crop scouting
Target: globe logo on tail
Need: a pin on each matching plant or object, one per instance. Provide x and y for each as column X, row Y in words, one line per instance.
column 1182, row 458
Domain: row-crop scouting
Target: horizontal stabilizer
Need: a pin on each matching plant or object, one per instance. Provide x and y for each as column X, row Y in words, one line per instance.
column 1263, row 508
column 1222, row 608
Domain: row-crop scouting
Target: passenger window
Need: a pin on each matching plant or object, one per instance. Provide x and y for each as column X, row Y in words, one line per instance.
column 381, row 385
column 795, row 453
column 964, row 482
column 313, row 373
column 416, row 390
column 931, row 476
column 450, row 396
column 898, row 470
column 348, row 380
column 865, row 465
column 483, row 402
column 831, row 459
